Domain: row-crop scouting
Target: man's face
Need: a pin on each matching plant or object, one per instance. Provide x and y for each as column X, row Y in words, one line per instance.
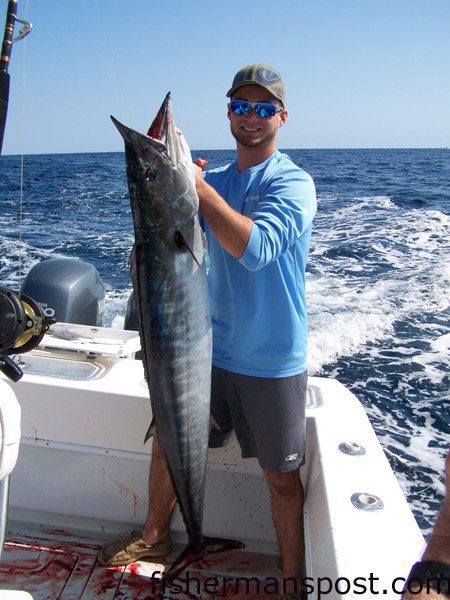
column 251, row 130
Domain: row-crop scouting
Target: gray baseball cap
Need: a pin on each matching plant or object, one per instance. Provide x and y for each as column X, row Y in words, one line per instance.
column 263, row 75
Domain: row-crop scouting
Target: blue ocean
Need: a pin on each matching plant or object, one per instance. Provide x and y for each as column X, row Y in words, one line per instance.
column 377, row 283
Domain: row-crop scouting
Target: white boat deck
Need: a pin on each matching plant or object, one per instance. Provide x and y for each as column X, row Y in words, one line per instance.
column 81, row 479
column 62, row 564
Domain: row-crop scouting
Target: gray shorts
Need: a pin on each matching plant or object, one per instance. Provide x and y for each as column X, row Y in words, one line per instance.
column 267, row 415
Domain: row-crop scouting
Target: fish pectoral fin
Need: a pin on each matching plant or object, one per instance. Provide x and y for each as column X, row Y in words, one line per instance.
column 214, row 545
column 182, row 245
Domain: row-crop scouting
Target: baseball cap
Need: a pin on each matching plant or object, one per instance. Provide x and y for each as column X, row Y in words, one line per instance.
column 263, row 75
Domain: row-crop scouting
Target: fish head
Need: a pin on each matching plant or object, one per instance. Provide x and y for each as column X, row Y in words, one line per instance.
column 160, row 174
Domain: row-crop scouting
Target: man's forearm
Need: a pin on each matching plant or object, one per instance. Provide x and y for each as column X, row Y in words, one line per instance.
column 438, row 546
column 230, row 227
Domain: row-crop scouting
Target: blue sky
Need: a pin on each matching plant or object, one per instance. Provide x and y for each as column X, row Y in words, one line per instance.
column 359, row 73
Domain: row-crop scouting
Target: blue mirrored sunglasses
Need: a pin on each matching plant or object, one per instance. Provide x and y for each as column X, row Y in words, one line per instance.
column 264, row 110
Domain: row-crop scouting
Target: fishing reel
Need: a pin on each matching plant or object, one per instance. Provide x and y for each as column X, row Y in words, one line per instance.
column 23, row 324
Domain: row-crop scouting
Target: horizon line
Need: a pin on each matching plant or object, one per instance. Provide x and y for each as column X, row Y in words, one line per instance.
column 284, row 149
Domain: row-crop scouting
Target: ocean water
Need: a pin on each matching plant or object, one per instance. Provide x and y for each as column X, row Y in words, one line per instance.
column 377, row 284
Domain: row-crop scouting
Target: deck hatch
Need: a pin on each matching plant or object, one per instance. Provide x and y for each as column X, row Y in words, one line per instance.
column 63, row 368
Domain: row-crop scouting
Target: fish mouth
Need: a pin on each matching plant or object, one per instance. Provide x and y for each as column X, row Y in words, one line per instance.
column 162, row 126
column 136, row 139
column 163, row 130
column 162, row 135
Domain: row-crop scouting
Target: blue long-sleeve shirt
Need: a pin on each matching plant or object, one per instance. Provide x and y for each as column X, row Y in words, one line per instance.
column 258, row 302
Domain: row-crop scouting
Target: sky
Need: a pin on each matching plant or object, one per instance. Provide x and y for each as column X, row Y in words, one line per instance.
column 358, row 73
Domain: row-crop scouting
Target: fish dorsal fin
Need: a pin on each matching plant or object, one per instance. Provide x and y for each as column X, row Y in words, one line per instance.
column 182, row 244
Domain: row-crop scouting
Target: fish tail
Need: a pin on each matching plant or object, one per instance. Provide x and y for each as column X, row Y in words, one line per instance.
column 193, row 552
column 197, row 550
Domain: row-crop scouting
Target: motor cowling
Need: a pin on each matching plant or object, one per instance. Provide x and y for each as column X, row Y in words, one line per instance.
column 69, row 290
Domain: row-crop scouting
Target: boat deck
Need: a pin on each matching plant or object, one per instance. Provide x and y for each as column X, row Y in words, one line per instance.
column 62, row 564
column 81, row 479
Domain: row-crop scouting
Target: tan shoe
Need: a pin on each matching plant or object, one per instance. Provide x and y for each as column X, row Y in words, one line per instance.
column 132, row 548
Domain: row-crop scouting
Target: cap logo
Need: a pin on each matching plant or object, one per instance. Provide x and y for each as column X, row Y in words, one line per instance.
column 291, row 457
column 264, row 76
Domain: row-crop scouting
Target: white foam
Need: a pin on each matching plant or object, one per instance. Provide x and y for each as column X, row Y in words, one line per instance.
column 349, row 305
column 342, row 321
column 437, row 362
column 377, row 202
column 17, row 258
column 442, row 344
column 116, row 305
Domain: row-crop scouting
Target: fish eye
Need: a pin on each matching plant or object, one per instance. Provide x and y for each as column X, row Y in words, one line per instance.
column 150, row 174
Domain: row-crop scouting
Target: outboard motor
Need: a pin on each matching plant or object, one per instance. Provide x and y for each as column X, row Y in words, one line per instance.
column 68, row 290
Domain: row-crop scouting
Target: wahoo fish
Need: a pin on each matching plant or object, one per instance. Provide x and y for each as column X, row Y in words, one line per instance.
column 170, row 287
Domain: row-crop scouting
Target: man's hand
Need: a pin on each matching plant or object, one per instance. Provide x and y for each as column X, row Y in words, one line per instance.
column 201, row 162
column 199, row 166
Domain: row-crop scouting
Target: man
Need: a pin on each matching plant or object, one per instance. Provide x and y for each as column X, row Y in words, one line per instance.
column 258, row 214
column 429, row 579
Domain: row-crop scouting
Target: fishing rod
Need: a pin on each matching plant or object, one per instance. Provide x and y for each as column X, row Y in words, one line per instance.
column 8, row 41
column 22, row 321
